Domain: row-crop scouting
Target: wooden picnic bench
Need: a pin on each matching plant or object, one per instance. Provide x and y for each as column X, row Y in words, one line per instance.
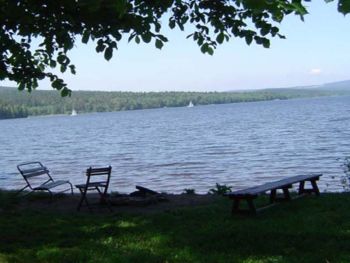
column 252, row 193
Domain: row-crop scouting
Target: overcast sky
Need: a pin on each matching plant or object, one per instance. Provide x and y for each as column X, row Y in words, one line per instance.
column 315, row 51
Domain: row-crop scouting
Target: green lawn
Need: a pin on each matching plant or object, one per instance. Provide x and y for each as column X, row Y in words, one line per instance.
column 310, row 229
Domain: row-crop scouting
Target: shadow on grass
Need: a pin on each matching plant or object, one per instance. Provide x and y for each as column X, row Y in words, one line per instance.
column 305, row 230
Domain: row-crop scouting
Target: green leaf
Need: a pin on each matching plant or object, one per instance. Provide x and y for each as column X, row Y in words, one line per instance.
column 137, row 39
column 56, row 84
column 66, row 92
column 41, row 66
column 265, row 42
column 100, row 46
column 200, row 40
column 274, row 31
column 344, row 6
column 210, row 51
column 117, row 35
column 53, row 64
column 63, row 68
column 248, row 39
column 21, row 86
column 146, row 37
column 204, row 48
column 220, row 38
column 159, row 44
column 72, row 69
column 162, row 38
column 86, row 36
column 265, row 30
column 172, row 24
column 108, row 53
column 61, row 59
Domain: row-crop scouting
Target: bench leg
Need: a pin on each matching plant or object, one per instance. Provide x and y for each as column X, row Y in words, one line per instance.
column 301, row 187
column 235, row 206
column 315, row 187
column 273, row 196
column 286, row 194
column 251, row 207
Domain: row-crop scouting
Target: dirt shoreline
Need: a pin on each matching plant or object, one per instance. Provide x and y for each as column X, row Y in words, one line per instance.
column 66, row 203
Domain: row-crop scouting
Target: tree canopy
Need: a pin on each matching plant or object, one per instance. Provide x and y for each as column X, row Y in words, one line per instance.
column 58, row 25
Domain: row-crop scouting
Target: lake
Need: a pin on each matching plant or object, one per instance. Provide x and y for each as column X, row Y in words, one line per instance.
column 169, row 149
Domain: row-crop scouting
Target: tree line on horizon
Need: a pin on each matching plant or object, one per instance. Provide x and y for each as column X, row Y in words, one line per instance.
column 14, row 104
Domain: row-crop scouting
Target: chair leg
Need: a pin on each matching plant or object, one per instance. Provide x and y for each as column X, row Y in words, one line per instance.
column 83, row 197
column 104, row 198
column 108, row 204
column 87, row 204
column 19, row 191
column 71, row 188
column 51, row 196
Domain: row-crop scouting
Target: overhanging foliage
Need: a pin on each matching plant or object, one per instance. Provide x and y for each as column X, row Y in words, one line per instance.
column 57, row 24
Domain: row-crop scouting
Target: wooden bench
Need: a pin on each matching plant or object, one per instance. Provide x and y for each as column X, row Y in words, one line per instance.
column 252, row 193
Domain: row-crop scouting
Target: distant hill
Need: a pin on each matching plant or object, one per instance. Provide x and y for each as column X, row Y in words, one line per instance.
column 331, row 86
column 338, row 86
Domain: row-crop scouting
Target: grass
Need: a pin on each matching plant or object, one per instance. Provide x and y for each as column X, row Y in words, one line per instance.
column 311, row 229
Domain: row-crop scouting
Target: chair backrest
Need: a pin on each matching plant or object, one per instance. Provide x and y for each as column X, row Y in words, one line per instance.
column 99, row 175
column 34, row 173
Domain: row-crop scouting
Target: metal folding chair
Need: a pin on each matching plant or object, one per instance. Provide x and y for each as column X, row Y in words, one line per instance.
column 38, row 178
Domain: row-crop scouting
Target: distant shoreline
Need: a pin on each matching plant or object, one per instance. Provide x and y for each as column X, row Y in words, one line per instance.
column 15, row 104
column 152, row 108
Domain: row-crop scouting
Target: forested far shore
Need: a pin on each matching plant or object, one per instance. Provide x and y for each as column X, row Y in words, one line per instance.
column 21, row 104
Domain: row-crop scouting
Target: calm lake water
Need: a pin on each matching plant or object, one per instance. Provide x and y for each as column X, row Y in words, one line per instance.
column 170, row 149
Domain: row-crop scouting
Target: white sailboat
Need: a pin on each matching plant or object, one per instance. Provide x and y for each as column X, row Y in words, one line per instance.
column 190, row 105
column 74, row 113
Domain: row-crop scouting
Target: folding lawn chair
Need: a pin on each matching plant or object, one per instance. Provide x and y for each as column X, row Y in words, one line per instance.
column 38, row 178
column 97, row 179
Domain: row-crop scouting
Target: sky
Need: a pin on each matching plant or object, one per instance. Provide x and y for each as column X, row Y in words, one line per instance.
column 316, row 51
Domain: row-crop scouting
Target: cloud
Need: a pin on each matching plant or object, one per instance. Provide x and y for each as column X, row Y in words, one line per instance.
column 315, row 71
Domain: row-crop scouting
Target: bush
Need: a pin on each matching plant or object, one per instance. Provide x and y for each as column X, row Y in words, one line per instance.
column 189, row 191
column 220, row 189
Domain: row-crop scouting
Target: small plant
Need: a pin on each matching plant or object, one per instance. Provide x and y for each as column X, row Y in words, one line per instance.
column 220, row 189
column 189, row 191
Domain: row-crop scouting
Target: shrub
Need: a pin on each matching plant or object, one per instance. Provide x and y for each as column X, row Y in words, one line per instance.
column 189, row 191
column 220, row 189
